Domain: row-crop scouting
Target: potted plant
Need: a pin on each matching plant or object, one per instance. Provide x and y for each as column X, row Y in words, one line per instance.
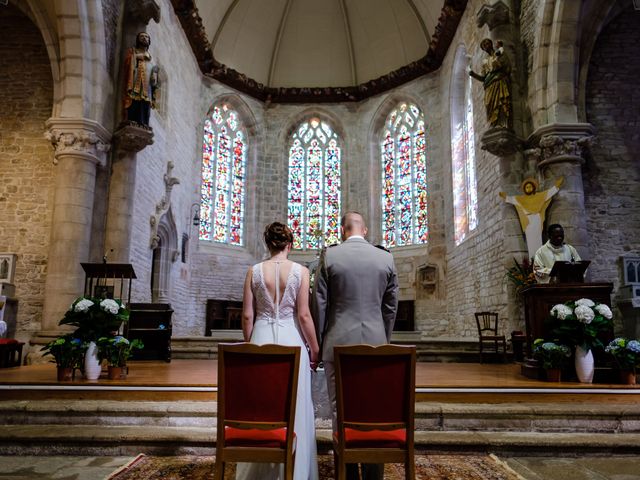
column 116, row 350
column 521, row 275
column 552, row 355
column 94, row 318
column 67, row 352
column 626, row 353
column 580, row 324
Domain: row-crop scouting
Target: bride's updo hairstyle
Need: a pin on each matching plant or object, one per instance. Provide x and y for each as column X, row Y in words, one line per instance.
column 277, row 236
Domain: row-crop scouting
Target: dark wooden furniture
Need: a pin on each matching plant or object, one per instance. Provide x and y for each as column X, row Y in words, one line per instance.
column 108, row 280
column 540, row 298
column 150, row 323
column 404, row 317
column 257, row 390
column 487, row 323
column 375, row 425
column 223, row 315
column 10, row 352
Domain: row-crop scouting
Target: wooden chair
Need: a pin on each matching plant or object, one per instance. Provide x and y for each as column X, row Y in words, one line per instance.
column 257, row 388
column 375, row 397
column 487, row 323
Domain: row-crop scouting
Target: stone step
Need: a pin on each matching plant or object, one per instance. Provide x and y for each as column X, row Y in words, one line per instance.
column 129, row 440
column 429, row 416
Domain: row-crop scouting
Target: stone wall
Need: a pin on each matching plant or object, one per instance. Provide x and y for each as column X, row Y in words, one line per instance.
column 612, row 173
column 26, row 161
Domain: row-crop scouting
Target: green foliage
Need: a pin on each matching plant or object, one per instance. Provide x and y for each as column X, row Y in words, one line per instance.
column 95, row 317
column 551, row 354
column 67, row 351
column 117, row 350
column 625, row 352
column 521, row 275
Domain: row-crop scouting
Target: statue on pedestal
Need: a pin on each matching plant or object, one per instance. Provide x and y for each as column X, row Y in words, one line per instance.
column 496, row 78
column 141, row 81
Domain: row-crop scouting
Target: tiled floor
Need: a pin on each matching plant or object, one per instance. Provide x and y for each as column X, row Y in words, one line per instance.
column 531, row 468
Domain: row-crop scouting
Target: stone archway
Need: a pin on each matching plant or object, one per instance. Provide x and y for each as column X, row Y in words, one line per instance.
column 165, row 253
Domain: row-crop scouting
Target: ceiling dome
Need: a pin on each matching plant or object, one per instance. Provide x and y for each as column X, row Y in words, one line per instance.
column 289, row 50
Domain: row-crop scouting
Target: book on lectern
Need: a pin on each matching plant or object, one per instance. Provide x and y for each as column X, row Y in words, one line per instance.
column 569, row 272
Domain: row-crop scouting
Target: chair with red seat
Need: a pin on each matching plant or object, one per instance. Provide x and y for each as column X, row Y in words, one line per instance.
column 257, row 387
column 375, row 400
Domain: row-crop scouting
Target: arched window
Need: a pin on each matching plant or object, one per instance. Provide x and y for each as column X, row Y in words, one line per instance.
column 224, row 151
column 463, row 156
column 314, row 185
column 404, row 177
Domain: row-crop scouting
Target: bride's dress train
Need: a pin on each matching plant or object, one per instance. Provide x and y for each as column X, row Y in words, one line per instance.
column 277, row 322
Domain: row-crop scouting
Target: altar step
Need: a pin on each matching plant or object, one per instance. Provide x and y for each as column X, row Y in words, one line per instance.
column 130, row 427
column 455, row 350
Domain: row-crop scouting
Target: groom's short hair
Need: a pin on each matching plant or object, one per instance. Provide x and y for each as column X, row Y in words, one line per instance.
column 352, row 219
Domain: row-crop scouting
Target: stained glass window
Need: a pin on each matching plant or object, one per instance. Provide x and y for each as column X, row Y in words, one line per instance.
column 463, row 166
column 404, row 177
column 222, row 191
column 314, row 185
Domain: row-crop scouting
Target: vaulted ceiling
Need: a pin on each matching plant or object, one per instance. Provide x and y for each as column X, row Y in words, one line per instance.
column 312, row 50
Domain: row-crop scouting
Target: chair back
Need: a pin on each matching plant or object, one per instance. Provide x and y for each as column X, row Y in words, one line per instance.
column 487, row 323
column 257, row 383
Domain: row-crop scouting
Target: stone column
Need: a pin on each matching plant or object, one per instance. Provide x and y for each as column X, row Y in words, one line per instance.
column 80, row 144
column 561, row 149
column 128, row 140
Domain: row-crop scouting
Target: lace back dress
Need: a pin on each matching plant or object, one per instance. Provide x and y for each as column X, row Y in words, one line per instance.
column 277, row 322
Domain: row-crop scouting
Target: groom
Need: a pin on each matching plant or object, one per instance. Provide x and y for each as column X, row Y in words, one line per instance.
column 356, row 297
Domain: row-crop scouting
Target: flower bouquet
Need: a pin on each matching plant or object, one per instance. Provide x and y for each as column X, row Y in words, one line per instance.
column 626, row 353
column 552, row 355
column 521, row 275
column 67, row 352
column 580, row 323
column 95, row 317
column 116, row 350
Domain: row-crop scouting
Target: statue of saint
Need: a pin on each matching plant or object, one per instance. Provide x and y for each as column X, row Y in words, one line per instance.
column 531, row 209
column 141, row 81
column 496, row 78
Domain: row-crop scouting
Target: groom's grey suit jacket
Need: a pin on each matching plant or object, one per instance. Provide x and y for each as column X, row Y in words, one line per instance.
column 355, row 296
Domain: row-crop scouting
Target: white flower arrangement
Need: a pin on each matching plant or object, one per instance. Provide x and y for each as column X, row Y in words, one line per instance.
column 604, row 310
column 83, row 306
column 561, row 311
column 110, row 306
column 584, row 314
column 585, row 302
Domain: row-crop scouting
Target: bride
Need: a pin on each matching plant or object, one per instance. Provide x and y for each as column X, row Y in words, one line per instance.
column 276, row 310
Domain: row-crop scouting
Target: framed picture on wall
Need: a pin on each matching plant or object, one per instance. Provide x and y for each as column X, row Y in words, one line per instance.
column 7, row 267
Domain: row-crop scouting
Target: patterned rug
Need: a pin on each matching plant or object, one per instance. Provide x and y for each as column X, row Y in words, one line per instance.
column 431, row 467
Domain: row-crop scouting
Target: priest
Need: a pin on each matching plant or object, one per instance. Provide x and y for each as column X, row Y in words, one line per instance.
column 555, row 250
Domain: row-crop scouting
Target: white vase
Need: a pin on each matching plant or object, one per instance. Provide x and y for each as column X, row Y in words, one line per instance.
column 92, row 366
column 584, row 365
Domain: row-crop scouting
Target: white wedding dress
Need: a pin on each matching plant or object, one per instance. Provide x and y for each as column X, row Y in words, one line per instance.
column 277, row 322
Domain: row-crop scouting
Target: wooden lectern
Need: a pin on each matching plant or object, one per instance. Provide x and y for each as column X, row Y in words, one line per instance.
column 109, row 280
column 540, row 298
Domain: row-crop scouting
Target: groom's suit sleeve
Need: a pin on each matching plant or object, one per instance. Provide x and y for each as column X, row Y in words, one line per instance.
column 320, row 298
column 390, row 302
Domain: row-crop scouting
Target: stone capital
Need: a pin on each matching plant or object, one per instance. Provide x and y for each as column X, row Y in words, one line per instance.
column 78, row 137
column 493, row 15
column 500, row 141
column 562, row 143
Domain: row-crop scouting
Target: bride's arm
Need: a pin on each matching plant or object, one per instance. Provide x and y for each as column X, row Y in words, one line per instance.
column 247, row 307
column 304, row 316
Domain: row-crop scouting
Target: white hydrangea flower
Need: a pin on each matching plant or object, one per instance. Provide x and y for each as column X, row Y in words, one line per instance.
column 110, row 306
column 83, row 306
column 584, row 314
column 585, row 302
column 561, row 311
column 605, row 311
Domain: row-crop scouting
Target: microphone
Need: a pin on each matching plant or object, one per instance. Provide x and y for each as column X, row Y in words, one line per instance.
column 104, row 257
